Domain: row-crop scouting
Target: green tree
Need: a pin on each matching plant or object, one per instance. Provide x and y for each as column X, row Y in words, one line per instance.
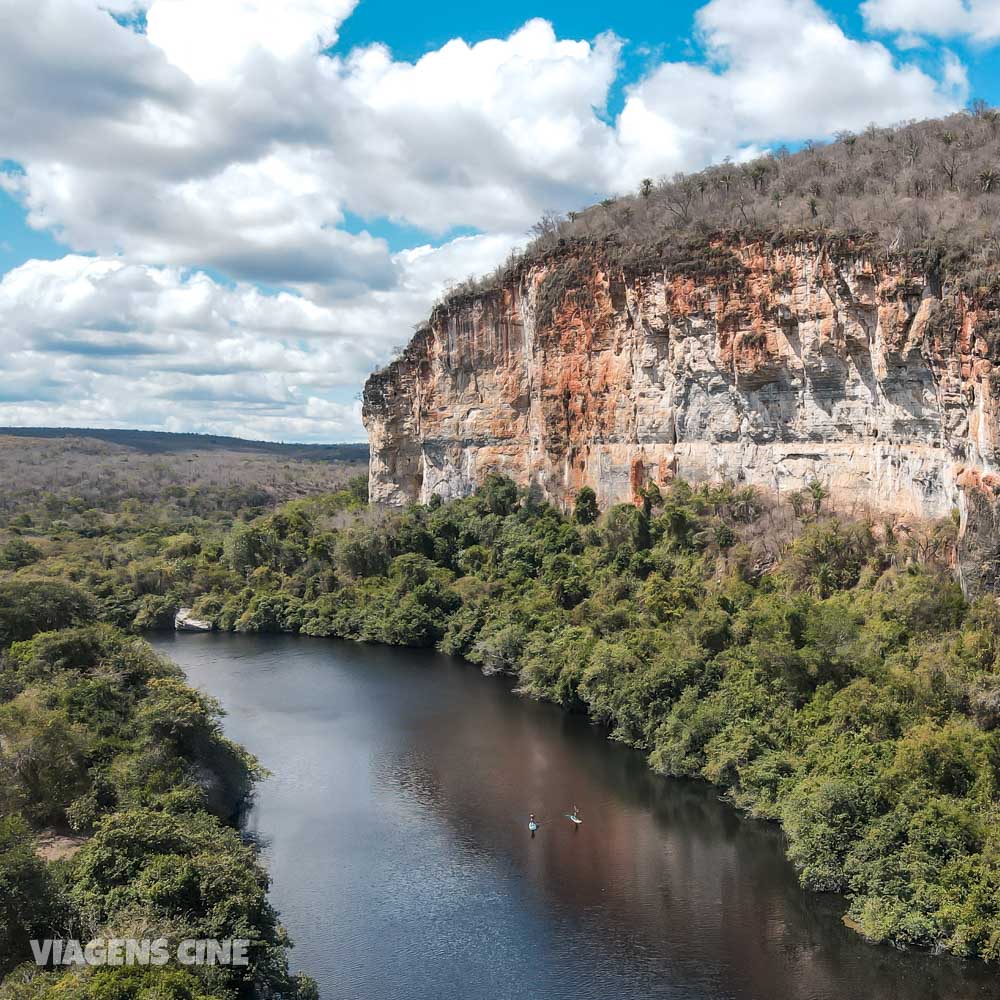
column 585, row 509
column 30, row 606
column 190, row 873
column 18, row 553
column 26, row 892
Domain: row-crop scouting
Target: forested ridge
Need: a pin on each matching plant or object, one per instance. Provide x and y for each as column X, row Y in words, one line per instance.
column 827, row 674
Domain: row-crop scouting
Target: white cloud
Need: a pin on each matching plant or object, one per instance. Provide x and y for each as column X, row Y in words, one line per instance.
column 223, row 138
column 226, row 138
column 97, row 341
column 976, row 19
column 487, row 134
column 252, row 172
column 215, row 41
column 777, row 70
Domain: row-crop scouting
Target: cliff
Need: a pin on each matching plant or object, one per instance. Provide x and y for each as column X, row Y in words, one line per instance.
column 770, row 363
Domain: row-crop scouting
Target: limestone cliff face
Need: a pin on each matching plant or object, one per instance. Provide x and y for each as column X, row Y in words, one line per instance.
column 764, row 364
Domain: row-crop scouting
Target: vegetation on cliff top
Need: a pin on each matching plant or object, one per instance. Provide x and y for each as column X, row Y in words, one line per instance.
column 827, row 674
column 930, row 189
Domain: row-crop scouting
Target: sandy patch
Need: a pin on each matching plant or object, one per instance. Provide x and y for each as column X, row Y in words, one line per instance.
column 52, row 846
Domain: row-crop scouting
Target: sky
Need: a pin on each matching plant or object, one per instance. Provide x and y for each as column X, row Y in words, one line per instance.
column 221, row 215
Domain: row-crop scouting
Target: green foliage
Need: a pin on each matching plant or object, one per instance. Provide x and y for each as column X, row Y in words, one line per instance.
column 155, row 612
column 498, row 495
column 95, row 719
column 26, row 891
column 357, row 489
column 111, row 983
column 839, row 693
column 626, row 531
column 363, row 551
column 585, row 510
column 829, row 557
column 836, row 681
column 29, row 606
column 18, row 553
column 187, row 873
column 102, row 735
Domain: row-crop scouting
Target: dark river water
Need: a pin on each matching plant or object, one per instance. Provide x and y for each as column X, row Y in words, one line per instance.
column 395, row 830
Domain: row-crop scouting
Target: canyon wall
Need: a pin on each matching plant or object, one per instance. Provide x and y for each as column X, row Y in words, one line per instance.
column 760, row 363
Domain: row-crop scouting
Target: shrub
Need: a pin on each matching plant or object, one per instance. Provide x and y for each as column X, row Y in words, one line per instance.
column 30, row 606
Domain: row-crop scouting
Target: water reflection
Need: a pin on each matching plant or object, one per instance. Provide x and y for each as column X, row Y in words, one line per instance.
column 395, row 827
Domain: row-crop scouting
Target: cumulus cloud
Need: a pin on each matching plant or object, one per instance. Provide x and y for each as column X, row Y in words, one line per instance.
column 252, row 172
column 230, row 136
column 214, row 42
column 226, row 138
column 777, row 70
column 99, row 341
column 977, row 19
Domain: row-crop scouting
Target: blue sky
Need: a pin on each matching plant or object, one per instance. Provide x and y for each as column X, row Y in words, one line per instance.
column 211, row 183
column 18, row 241
column 665, row 28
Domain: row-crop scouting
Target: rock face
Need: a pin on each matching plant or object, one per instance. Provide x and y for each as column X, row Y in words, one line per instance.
column 183, row 622
column 762, row 363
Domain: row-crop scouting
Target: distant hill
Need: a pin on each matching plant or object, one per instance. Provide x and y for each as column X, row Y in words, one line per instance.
column 161, row 442
column 69, row 470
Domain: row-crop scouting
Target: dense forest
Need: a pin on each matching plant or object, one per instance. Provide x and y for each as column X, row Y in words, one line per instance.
column 930, row 189
column 107, row 753
column 827, row 674
column 118, row 791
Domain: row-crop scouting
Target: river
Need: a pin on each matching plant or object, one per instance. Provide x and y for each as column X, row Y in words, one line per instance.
column 394, row 826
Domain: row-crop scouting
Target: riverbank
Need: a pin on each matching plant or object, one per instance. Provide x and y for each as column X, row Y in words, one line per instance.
column 116, row 787
column 836, row 693
column 825, row 674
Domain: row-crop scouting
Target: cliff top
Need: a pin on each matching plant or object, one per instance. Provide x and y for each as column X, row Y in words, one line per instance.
column 919, row 188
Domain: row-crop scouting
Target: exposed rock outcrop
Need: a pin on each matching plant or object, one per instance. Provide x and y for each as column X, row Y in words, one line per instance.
column 767, row 363
column 183, row 622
